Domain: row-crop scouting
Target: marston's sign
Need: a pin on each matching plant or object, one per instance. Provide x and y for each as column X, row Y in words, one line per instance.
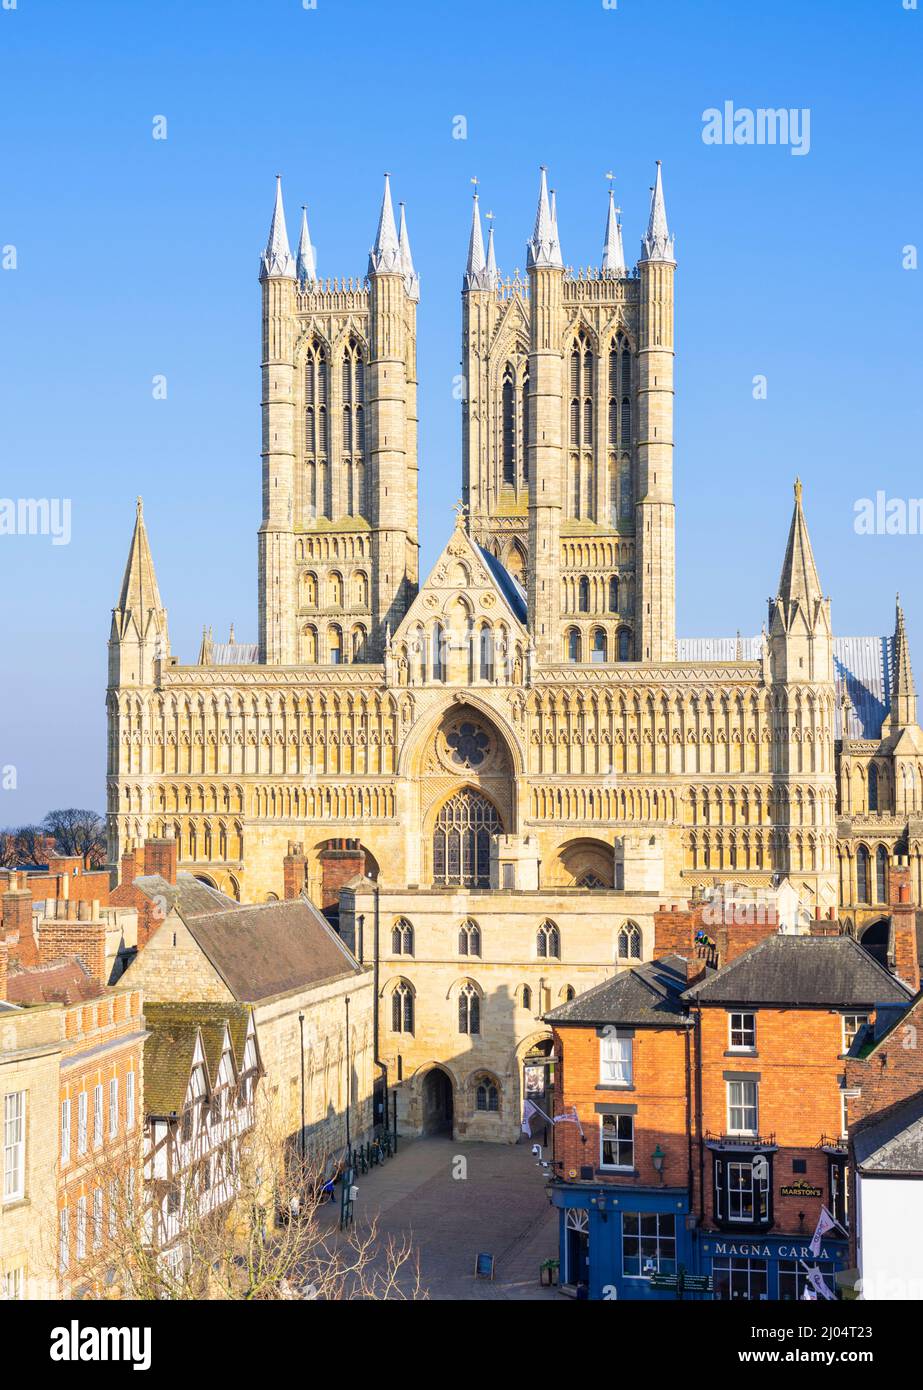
column 800, row 1189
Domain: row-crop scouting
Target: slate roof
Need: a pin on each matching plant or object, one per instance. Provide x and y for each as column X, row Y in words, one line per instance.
column 170, row 1048
column 509, row 588
column 831, row 971
column 893, row 1144
column 271, row 948
column 189, row 894
column 646, row 994
column 863, row 666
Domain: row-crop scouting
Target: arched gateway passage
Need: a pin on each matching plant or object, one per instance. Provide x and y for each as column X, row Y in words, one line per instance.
column 438, row 1102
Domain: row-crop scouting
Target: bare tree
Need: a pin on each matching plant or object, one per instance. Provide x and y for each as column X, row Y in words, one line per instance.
column 78, row 832
column 275, row 1237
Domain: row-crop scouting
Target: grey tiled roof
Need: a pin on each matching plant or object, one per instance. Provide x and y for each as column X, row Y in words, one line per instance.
column 893, row 1144
column 271, row 948
column 833, row 971
column 505, row 582
column 861, row 665
column 645, row 994
column 189, row 894
column 235, row 653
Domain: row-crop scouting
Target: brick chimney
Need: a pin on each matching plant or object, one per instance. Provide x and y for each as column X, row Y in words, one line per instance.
column 903, row 960
column 16, row 906
column 128, row 868
column 66, row 935
column 294, row 871
column 160, row 857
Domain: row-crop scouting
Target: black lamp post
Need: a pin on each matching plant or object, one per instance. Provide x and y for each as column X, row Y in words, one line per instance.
column 657, row 1158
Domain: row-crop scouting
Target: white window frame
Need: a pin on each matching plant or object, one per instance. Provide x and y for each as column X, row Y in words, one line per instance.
column 741, row 1028
column 743, row 1104
column 113, row 1106
column 64, row 1239
column 616, row 1060
column 82, row 1107
column 13, row 1284
column 847, row 1040
column 97, row 1114
column 14, row 1146
column 97, row 1217
column 80, row 1251
column 130, row 1100
column 65, row 1133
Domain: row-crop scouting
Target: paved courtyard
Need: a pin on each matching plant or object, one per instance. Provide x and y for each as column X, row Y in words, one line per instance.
column 497, row 1203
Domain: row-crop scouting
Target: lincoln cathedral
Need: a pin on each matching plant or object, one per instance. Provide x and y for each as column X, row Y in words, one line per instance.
column 491, row 780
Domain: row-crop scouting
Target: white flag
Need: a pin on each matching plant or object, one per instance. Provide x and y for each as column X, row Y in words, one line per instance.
column 529, row 1111
column 817, row 1283
column 825, row 1222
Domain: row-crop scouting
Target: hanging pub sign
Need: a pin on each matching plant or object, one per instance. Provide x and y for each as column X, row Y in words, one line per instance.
column 800, row 1189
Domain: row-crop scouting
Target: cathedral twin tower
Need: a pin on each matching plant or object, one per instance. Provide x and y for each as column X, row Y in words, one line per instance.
column 567, row 442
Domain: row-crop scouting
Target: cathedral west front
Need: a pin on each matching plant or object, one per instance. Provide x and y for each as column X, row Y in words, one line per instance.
column 493, row 779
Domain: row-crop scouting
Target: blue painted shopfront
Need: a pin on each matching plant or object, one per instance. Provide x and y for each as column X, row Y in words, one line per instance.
column 612, row 1240
column 767, row 1267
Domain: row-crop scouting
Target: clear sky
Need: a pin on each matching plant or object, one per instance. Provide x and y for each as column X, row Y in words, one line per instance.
column 137, row 257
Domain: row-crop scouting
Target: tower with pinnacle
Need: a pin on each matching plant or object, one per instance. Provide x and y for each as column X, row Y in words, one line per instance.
column 338, row 546
column 568, row 434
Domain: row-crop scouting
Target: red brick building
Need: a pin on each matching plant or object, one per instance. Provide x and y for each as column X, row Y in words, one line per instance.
column 711, row 1096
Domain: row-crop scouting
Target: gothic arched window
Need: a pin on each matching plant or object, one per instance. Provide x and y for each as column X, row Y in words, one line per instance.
column 600, row 645
column 402, row 938
column 629, row 942
column 881, row 874
column 487, row 1096
column 469, row 939
column 334, row 645
column 469, row 1010
column 524, row 407
column 508, row 425
column 624, row 644
column 863, row 883
column 873, row 787
column 464, row 828
column 583, row 594
column 526, row 997
column 613, row 595
column 573, row 644
column 402, row 1008
column 548, row 941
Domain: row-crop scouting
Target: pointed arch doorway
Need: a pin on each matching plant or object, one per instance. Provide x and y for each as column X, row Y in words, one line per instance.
column 438, row 1102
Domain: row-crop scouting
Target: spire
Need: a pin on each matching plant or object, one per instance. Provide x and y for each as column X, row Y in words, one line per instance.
column 385, row 257
column 544, row 248
column 799, row 581
column 657, row 245
column 306, row 265
column 139, row 593
column 613, row 254
column 491, row 272
column 277, row 258
column 411, row 278
column 475, row 269
column 903, row 691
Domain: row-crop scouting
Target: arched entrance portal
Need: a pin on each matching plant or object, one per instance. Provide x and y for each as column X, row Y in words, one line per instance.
column 438, row 1102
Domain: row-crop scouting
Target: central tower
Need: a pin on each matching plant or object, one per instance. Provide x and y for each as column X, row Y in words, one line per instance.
column 338, row 546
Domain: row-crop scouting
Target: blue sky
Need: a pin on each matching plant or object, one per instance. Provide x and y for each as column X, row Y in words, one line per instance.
column 137, row 257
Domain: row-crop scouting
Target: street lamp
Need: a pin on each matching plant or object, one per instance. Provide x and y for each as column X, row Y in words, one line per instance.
column 657, row 1158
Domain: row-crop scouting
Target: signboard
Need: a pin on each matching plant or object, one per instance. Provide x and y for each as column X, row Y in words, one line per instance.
column 682, row 1282
column 800, row 1189
column 483, row 1265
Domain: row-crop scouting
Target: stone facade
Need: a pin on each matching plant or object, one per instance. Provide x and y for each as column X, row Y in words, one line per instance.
column 531, row 695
